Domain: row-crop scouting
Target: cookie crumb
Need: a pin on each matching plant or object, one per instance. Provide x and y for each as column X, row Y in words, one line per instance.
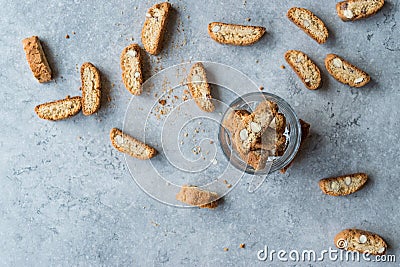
column 67, row 36
column 73, row 33
column 226, row 249
column 261, row 88
column 242, row 245
column 225, row 181
column 248, row 19
column 162, row 102
column 283, row 67
column 228, row 185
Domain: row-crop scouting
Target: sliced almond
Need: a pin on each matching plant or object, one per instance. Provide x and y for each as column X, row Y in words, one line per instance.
column 255, row 127
column 363, row 239
column 244, row 134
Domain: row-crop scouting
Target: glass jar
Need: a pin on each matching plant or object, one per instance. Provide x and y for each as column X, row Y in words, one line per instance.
column 292, row 132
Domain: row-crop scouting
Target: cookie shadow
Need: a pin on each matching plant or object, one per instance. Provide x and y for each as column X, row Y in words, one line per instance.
column 146, row 65
column 50, row 59
column 171, row 27
column 106, row 87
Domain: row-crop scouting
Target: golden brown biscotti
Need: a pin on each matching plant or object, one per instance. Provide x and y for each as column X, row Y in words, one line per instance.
column 309, row 23
column 91, row 88
column 60, row 109
column 195, row 196
column 343, row 185
column 351, row 10
column 345, row 72
column 199, row 87
column 234, row 34
column 131, row 66
column 305, row 68
column 37, row 59
column 360, row 241
column 305, row 131
column 233, row 120
column 131, row 146
column 257, row 158
column 154, row 27
column 253, row 126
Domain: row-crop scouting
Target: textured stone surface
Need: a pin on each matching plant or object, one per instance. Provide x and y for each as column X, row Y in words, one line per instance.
column 66, row 197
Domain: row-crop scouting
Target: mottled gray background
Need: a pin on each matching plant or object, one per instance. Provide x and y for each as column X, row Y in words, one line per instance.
column 66, row 196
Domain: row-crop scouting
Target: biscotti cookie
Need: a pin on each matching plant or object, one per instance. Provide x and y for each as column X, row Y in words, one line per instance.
column 358, row 9
column 233, row 120
column 253, row 126
column 360, row 241
column 305, row 68
column 195, row 196
column 343, row 185
column 37, row 59
column 131, row 66
column 305, row 131
column 273, row 139
column 91, row 88
column 199, row 87
column 309, row 23
column 234, row 34
column 60, row 109
column 345, row 72
column 131, row 146
column 154, row 27
column 257, row 159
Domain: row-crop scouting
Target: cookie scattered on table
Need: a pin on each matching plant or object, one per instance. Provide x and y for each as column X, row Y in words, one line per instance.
column 131, row 66
column 309, row 23
column 195, row 196
column 343, row 185
column 345, row 72
column 37, row 59
column 60, row 109
column 154, row 27
column 234, row 34
column 351, row 10
column 199, row 87
column 91, row 88
column 305, row 68
column 360, row 241
column 130, row 145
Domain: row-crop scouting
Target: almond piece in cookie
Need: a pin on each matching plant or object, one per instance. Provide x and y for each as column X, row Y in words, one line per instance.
column 37, row 59
column 345, row 72
column 305, row 68
column 309, row 23
column 254, row 125
column 131, row 146
column 199, row 87
column 343, row 185
column 91, row 89
column 233, row 120
column 305, row 131
column 60, row 109
column 131, row 66
column 360, row 241
column 195, row 196
column 154, row 27
column 351, row 10
column 234, row 34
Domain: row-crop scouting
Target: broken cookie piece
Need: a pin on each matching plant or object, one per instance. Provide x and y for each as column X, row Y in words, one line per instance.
column 309, row 23
column 343, row 185
column 351, row 10
column 305, row 68
column 360, row 241
column 345, row 72
column 199, row 87
column 195, row 196
column 37, row 59
column 234, row 34
column 130, row 145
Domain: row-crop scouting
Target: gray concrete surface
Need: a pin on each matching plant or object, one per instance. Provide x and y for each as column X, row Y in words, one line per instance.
column 67, row 199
